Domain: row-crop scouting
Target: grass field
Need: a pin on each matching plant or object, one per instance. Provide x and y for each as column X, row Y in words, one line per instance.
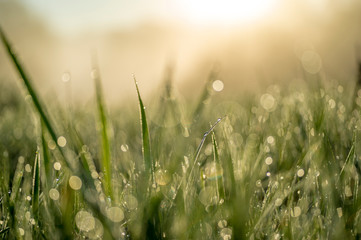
column 282, row 164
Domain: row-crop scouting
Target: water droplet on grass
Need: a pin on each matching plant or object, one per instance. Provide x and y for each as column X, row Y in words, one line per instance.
column 226, row 233
column 296, row 212
column 51, row 145
column 300, row 172
column 84, row 221
column 54, row 194
column 270, row 140
column 21, row 232
column 57, row 166
column 61, row 141
column 28, row 168
column 115, row 214
column 213, row 171
column 268, row 160
column 124, row 147
column 218, row 85
column 75, row 182
column 222, row 223
column 162, row 177
column 278, row 202
column 130, row 201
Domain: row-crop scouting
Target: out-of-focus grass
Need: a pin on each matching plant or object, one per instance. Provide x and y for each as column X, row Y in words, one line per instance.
column 283, row 164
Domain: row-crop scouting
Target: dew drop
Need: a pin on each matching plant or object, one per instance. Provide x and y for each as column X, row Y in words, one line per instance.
column 21, row 232
column 75, row 182
column 61, row 141
column 51, row 145
column 84, row 221
column 296, row 212
column 57, row 166
column 115, row 214
column 130, row 201
column 278, row 202
column 124, row 147
column 28, row 168
column 218, row 85
column 270, row 140
column 54, row 194
column 268, row 160
column 300, row 172
column 226, row 233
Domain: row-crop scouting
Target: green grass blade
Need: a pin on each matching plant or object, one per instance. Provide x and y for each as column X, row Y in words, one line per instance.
column 199, row 151
column 219, row 182
column 46, row 158
column 4, row 231
column 148, row 164
column 106, row 154
column 17, row 180
column 36, row 186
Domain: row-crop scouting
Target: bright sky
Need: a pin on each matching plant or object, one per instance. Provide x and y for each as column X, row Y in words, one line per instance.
column 72, row 16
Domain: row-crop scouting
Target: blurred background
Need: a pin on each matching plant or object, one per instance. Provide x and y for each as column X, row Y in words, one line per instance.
column 249, row 43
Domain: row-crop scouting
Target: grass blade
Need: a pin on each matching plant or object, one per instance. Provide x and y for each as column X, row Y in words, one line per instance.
column 46, row 158
column 106, row 154
column 36, row 186
column 199, row 150
column 148, row 164
column 4, row 231
column 219, row 181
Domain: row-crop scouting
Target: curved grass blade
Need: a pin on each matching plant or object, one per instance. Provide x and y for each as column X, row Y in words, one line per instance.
column 148, row 164
column 219, row 181
column 199, row 149
column 106, row 154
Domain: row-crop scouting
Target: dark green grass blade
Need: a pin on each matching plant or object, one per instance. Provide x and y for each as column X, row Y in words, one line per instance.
column 36, row 186
column 148, row 164
column 106, row 154
column 4, row 231
column 46, row 158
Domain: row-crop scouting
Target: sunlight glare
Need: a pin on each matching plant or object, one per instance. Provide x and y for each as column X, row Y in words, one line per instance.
column 226, row 11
